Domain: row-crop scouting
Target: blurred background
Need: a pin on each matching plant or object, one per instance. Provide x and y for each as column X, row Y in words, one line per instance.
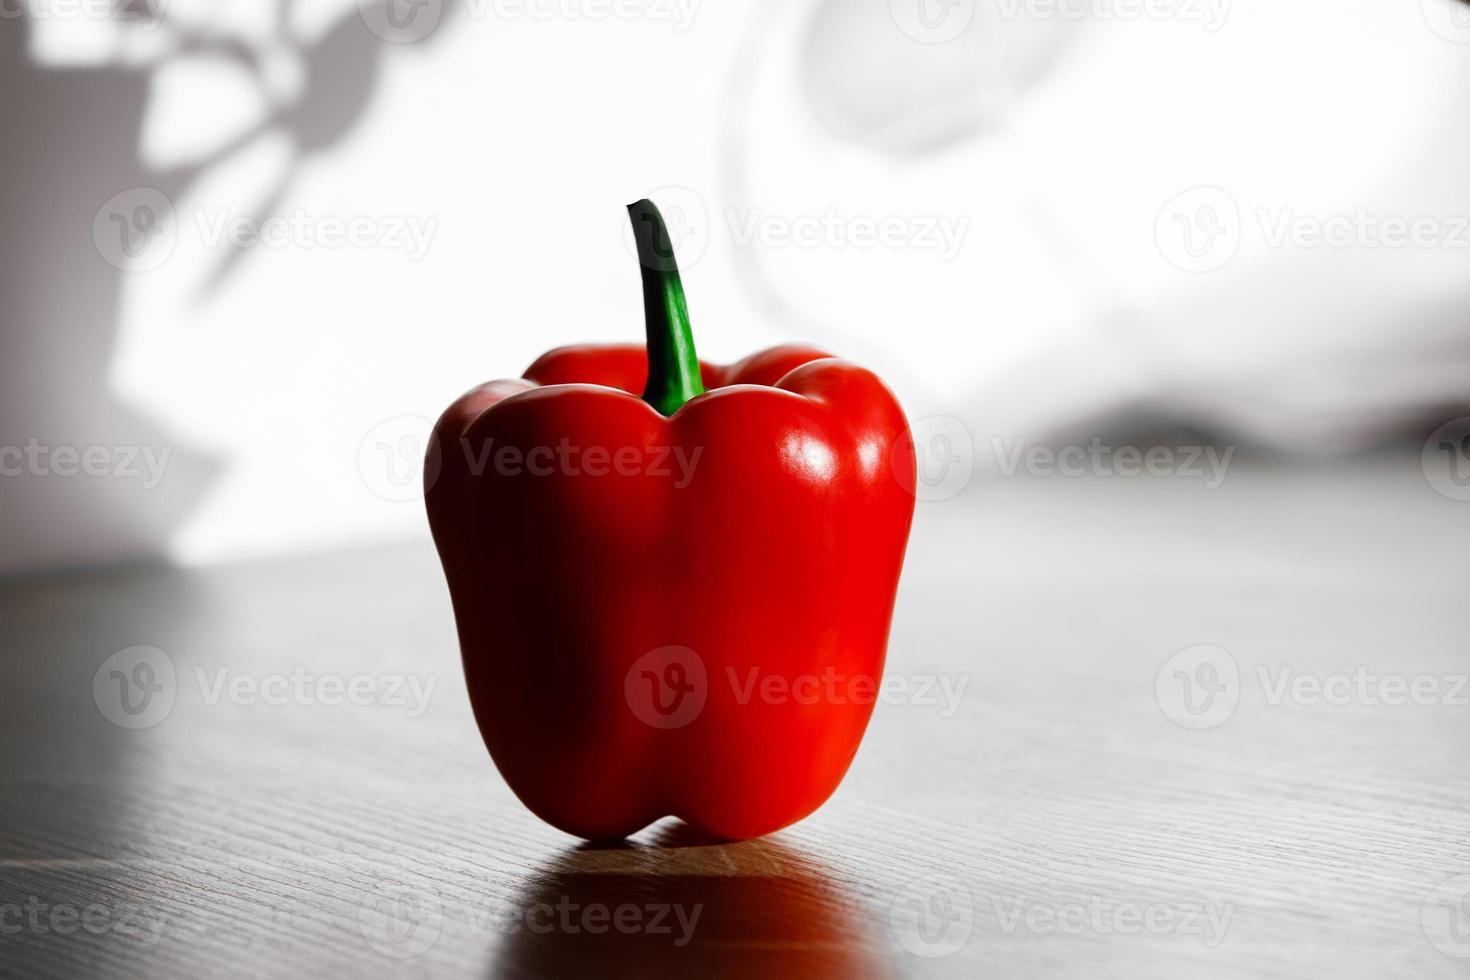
column 251, row 249
column 1174, row 292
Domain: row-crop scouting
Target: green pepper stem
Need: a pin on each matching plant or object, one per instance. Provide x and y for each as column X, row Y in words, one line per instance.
column 673, row 367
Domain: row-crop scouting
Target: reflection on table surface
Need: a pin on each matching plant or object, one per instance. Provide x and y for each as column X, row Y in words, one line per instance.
column 1006, row 822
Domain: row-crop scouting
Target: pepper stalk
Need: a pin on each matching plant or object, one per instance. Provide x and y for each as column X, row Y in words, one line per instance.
column 673, row 366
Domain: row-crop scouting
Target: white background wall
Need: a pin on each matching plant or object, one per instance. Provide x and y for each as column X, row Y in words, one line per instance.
column 290, row 380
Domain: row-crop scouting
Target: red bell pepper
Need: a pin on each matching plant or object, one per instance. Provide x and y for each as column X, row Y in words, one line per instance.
column 676, row 604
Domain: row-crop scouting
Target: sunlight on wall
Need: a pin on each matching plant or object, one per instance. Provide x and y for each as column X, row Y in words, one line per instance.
column 337, row 234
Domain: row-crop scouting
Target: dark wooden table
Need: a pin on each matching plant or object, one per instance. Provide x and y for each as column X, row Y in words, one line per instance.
column 1064, row 810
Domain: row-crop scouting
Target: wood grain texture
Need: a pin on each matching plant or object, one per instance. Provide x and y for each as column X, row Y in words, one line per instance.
column 1053, row 820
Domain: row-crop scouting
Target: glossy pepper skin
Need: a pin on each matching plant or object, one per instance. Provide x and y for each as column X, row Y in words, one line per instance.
column 697, row 634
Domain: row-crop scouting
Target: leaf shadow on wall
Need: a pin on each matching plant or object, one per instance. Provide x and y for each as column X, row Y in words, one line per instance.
column 72, row 153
